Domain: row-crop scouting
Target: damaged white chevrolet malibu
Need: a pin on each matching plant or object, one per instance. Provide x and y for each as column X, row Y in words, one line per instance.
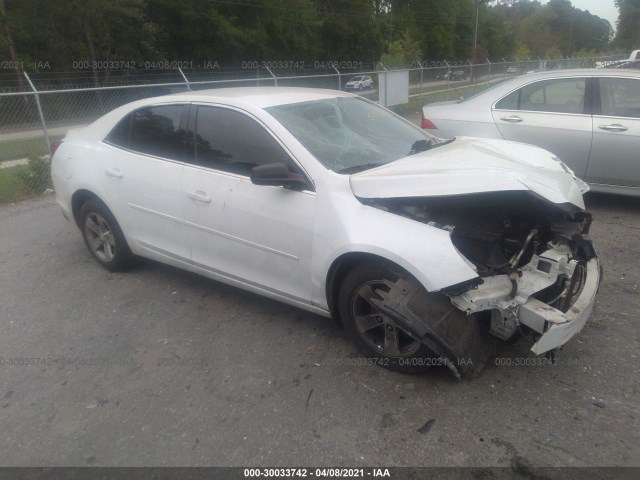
column 428, row 251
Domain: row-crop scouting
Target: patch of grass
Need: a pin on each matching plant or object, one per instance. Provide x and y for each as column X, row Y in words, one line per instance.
column 25, row 181
column 24, row 148
column 440, row 93
column 36, row 175
column 12, row 188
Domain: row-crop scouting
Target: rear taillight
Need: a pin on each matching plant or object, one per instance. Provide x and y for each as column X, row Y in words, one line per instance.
column 54, row 146
column 426, row 123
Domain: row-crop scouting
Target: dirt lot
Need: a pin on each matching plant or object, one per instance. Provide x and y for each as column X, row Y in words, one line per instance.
column 161, row 367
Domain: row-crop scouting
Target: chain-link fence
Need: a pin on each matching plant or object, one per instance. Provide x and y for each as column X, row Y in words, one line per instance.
column 39, row 109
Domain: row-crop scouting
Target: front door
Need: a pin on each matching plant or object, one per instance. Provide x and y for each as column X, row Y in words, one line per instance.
column 260, row 235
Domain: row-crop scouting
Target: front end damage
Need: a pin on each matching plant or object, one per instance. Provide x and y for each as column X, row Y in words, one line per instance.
column 538, row 272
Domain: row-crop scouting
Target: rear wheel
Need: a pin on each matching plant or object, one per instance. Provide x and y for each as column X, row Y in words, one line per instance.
column 103, row 236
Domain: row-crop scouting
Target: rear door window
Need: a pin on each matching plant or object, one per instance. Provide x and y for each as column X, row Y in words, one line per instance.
column 620, row 97
column 154, row 130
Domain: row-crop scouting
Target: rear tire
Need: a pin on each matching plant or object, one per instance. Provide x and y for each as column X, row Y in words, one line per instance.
column 103, row 236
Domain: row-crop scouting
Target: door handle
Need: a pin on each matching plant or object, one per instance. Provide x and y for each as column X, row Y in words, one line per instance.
column 114, row 172
column 512, row 119
column 614, row 127
column 199, row 196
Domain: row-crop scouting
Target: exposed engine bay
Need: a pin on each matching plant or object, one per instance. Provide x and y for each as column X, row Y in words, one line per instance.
column 532, row 258
column 499, row 232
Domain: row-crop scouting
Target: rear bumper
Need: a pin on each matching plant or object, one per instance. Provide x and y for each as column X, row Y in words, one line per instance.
column 66, row 213
column 559, row 326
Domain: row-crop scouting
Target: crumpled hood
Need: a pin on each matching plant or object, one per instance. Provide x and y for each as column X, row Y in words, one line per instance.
column 473, row 165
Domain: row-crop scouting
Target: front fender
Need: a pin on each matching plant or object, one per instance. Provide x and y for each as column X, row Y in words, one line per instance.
column 424, row 251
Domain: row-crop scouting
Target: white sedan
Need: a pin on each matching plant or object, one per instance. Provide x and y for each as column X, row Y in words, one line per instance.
column 426, row 250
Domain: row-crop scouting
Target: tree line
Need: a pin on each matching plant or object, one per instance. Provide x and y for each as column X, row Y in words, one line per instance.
column 227, row 33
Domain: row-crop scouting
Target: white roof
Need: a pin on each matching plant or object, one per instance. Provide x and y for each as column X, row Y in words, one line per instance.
column 585, row 72
column 261, row 97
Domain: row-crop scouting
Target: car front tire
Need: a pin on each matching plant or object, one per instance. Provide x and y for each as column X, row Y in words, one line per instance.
column 373, row 332
column 103, row 236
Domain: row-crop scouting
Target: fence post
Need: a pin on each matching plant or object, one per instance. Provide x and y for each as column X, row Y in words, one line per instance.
column 339, row 77
column 386, row 85
column 44, row 125
column 421, row 72
column 448, row 74
column 275, row 79
column 185, row 78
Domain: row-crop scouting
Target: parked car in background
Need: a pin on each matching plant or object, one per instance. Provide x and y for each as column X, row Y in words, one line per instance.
column 621, row 61
column 426, row 250
column 455, row 75
column 360, row 82
column 589, row 118
column 512, row 70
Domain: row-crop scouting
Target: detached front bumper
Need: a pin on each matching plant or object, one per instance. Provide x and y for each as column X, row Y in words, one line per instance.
column 508, row 312
column 559, row 327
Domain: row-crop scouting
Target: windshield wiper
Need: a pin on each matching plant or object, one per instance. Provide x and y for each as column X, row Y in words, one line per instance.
column 445, row 142
column 359, row 168
column 424, row 145
column 420, row 146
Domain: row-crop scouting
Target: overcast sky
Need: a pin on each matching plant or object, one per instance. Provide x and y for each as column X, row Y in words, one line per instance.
column 602, row 8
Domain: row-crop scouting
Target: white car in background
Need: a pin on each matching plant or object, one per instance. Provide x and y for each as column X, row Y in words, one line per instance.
column 426, row 250
column 589, row 118
column 360, row 82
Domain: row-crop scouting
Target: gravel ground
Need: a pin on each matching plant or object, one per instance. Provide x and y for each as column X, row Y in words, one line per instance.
column 159, row 367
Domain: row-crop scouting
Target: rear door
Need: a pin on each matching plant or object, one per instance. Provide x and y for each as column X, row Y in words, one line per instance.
column 142, row 172
column 553, row 114
column 615, row 155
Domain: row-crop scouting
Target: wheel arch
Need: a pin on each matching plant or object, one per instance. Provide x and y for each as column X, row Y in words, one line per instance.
column 79, row 198
column 341, row 266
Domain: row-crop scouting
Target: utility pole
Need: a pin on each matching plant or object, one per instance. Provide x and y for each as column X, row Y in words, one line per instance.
column 475, row 37
column 12, row 52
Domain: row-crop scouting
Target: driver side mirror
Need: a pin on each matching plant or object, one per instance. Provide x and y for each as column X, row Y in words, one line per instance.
column 277, row 174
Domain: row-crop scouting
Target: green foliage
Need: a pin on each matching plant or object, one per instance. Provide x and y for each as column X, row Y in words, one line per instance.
column 522, row 52
column 229, row 32
column 553, row 52
column 36, row 176
column 628, row 36
column 401, row 52
column 584, row 53
column 539, row 27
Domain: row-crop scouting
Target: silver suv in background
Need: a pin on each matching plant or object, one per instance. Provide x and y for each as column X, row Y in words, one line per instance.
column 359, row 83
